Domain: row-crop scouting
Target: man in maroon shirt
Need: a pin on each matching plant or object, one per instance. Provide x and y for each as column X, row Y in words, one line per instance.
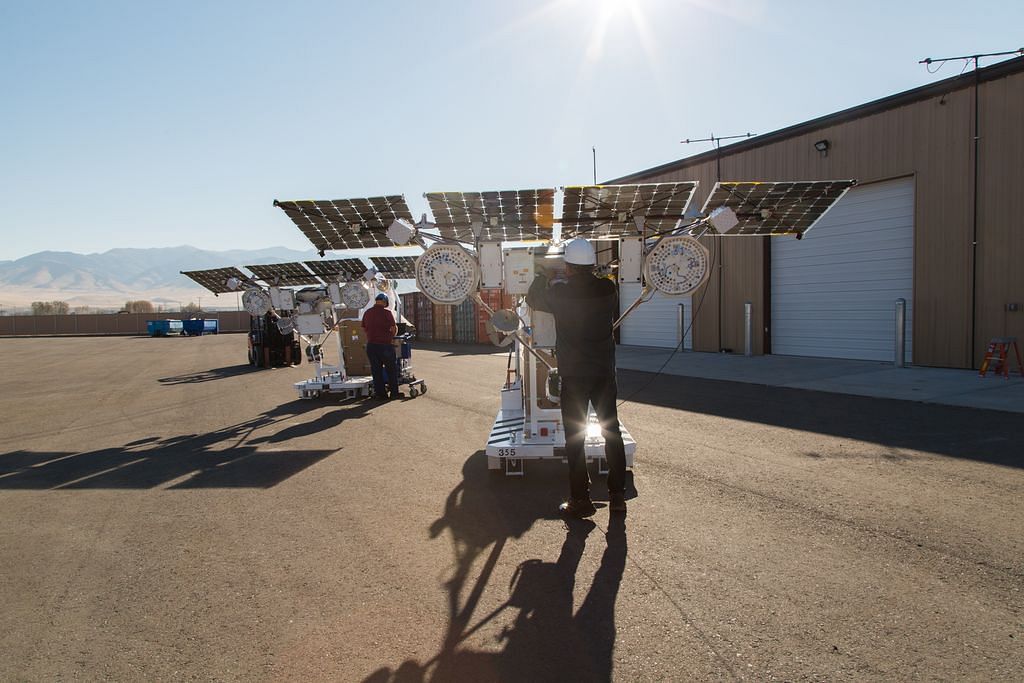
column 380, row 328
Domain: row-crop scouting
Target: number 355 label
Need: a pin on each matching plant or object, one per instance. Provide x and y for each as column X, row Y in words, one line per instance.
column 506, row 452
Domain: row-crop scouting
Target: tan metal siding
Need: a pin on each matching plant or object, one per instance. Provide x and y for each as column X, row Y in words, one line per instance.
column 1000, row 213
column 705, row 303
column 742, row 281
column 930, row 139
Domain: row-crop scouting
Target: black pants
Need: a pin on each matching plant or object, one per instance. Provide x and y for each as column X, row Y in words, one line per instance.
column 382, row 360
column 576, row 393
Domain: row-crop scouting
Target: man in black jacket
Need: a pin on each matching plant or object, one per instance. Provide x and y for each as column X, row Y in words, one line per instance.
column 585, row 308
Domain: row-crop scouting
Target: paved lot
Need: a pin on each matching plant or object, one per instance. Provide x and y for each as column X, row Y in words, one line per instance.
column 170, row 514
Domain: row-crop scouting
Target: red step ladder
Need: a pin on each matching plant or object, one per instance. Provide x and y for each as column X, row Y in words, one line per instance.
column 998, row 349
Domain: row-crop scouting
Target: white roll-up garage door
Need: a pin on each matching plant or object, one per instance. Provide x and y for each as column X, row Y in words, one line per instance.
column 656, row 322
column 833, row 292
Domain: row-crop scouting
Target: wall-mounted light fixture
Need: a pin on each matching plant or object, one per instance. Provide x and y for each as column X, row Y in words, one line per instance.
column 823, row 146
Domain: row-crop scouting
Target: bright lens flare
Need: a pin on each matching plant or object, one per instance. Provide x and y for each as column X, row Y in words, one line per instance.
column 607, row 11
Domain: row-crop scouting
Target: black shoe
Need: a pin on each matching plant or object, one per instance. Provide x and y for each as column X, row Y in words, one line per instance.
column 617, row 502
column 577, row 508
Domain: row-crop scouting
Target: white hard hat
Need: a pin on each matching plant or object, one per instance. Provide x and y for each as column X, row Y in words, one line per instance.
column 580, row 252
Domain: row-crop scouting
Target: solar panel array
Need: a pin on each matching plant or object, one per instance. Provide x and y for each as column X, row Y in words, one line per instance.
column 215, row 279
column 395, row 267
column 284, row 274
column 338, row 270
column 784, row 208
column 609, row 209
column 498, row 216
column 347, row 223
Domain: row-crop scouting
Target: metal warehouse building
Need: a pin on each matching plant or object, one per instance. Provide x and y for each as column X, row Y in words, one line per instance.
column 937, row 219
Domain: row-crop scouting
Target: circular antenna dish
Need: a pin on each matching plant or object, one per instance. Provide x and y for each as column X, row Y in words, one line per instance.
column 505, row 320
column 676, row 265
column 256, row 302
column 233, row 283
column 354, row 295
column 285, row 326
column 447, row 274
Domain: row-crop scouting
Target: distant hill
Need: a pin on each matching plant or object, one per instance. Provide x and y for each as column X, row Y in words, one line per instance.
column 108, row 280
column 113, row 277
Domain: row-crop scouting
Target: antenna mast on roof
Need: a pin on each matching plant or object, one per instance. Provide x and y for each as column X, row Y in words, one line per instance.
column 717, row 141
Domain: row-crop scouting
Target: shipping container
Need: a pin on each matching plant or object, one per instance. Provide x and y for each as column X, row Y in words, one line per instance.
column 443, row 322
column 424, row 317
column 407, row 311
column 407, row 304
column 464, row 318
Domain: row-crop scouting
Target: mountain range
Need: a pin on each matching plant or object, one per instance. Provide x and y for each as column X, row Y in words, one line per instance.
column 113, row 277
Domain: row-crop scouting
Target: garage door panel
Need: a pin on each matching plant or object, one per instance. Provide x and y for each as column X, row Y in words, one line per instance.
column 823, row 272
column 875, row 240
column 866, row 223
column 849, row 314
column 833, row 292
column 838, row 290
column 655, row 322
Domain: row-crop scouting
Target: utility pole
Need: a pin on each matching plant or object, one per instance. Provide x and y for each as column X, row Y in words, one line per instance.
column 594, row 151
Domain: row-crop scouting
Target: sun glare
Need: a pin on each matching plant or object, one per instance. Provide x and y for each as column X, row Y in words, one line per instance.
column 607, row 11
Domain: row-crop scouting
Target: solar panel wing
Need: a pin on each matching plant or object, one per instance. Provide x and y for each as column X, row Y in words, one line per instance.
column 510, row 215
column 215, row 279
column 782, row 208
column 609, row 209
column 395, row 267
column 347, row 223
column 337, row 270
column 284, row 274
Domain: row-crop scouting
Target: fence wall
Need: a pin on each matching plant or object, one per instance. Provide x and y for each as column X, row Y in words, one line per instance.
column 106, row 323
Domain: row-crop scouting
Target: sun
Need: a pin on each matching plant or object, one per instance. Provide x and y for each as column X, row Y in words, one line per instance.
column 608, row 10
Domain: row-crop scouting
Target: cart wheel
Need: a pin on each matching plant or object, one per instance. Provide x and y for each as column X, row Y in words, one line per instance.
column 413, row 392
column 423, row 387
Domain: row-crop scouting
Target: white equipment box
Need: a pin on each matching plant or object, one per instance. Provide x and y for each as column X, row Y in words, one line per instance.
column 518, row 270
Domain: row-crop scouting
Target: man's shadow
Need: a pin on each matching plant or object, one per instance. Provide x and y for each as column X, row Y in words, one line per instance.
column 546, row 640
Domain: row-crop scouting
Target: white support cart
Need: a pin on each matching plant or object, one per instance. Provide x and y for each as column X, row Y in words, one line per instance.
column 516, row 437
column 334, row 379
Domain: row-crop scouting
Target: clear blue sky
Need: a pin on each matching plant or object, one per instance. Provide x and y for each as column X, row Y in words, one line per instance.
column 141, row 124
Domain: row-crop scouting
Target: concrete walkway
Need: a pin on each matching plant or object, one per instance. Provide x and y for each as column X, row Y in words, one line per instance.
column 863, row 378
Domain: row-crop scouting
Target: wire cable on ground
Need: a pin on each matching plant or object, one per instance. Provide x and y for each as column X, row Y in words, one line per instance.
column 682, row 340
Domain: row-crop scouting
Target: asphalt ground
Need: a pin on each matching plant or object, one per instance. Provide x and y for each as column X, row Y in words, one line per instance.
column 170, row 514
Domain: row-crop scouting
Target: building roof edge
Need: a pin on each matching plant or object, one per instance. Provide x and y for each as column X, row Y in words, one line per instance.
column 965, row 80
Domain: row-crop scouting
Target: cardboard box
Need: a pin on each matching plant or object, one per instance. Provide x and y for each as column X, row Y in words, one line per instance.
column 353, row 344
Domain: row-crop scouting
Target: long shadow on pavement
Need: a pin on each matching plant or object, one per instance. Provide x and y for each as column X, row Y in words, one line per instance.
column 207, row 375
column 546, row 640
column 981, row 435
column 224, row 458
column 450, row 349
